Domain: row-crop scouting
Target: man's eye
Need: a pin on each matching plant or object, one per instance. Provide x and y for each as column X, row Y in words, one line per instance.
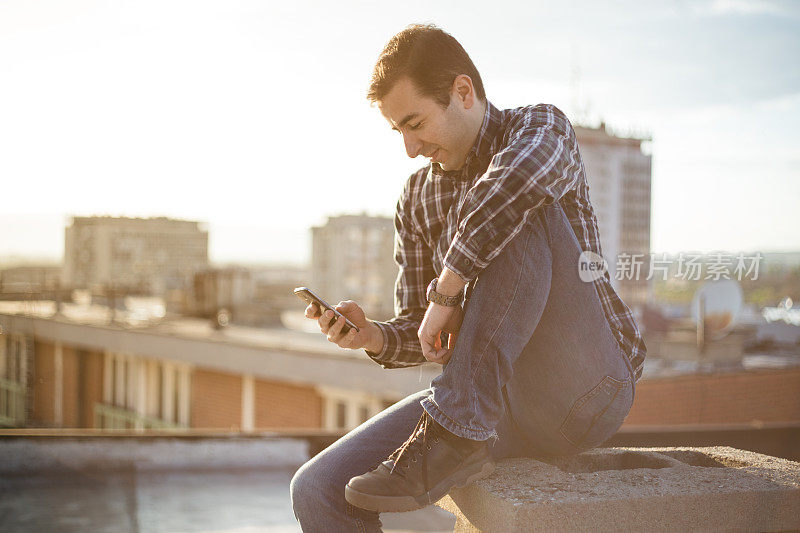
column 415, row 126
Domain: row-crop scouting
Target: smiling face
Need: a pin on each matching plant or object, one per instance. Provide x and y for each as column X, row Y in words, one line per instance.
column 445, row 135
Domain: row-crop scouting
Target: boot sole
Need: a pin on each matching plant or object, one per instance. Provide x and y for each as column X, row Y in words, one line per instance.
column 399, row 504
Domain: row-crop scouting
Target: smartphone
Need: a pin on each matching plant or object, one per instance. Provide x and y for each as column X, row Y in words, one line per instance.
column 308, row 296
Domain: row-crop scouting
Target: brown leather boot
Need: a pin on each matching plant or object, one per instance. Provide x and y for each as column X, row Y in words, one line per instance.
column 421, row 471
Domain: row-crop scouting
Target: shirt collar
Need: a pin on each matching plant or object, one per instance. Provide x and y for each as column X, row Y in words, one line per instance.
column 481, row 149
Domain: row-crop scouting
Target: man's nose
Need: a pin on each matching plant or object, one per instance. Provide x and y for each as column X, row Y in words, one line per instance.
column 413, row 145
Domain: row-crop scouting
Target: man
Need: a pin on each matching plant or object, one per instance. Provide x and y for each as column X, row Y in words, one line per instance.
column 536, row 361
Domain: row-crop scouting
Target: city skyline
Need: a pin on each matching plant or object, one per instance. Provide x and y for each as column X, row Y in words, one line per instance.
column 192, row 110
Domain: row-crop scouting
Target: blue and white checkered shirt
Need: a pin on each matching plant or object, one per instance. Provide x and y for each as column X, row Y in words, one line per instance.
column 523, row 158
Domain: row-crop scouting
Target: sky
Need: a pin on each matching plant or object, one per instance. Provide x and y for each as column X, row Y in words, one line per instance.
column 252, row 117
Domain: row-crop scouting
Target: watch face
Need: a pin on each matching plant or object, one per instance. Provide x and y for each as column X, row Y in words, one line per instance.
column 430, row 288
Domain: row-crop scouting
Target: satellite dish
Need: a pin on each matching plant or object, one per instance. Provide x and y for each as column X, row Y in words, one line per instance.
column 721, row 301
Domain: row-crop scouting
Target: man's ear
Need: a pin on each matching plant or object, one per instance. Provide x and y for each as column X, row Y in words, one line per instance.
column 464, row 91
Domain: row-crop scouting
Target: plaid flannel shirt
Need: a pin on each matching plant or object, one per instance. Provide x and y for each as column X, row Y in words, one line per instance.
column 523, row 158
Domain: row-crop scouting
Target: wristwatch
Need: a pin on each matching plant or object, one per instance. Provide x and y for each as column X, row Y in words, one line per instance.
column 441, row 299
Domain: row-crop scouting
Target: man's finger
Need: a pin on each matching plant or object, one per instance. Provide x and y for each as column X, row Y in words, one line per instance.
column 335, row 329
column 440, row 357
column 445, row 357
column 324, row 321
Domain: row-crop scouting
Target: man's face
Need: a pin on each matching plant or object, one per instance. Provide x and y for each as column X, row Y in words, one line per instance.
column 429, row 130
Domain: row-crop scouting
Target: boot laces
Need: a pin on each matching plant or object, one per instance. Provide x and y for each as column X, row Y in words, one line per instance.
column 417, row 443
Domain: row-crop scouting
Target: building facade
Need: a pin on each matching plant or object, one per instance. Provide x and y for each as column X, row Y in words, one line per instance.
column 352, row 258
column 67, row 373
column 78, row 371
column 618, row 172
column 72, row 373
column 153, row 255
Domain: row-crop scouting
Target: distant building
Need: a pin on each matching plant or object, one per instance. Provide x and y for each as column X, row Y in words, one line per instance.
column 149, row 254
column 235, row 293
column 217, row 288
column 353, row 259
column 619, row 176
column 31, row 279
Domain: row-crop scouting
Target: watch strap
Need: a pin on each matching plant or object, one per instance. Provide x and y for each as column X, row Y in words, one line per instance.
column 441, row 299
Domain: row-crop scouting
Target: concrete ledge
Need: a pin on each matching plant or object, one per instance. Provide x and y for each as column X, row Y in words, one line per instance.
column 21, row 456
column 634, row 489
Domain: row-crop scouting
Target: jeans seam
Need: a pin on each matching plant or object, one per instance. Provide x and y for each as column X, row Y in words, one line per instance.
column 601, row 413
column 631, row 371
column 588, row 396
column 500, row 323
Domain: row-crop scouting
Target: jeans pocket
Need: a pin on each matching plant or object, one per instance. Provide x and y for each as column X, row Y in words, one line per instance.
column 596, row 415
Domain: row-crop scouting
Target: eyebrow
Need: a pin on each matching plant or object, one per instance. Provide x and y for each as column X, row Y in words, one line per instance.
column 405, row 120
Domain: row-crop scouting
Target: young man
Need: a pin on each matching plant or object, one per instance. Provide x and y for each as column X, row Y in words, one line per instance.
column 536, row 361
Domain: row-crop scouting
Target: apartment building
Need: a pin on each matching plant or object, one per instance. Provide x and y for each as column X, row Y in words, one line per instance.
column 618, row 171
column 149, row 254
column 352, row 258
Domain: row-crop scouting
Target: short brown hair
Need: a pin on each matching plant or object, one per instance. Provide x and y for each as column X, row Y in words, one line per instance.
column 430, row 57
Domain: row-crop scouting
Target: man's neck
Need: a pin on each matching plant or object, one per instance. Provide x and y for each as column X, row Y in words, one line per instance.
column 476, row 119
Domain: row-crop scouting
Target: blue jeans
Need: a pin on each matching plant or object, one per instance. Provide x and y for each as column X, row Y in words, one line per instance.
column 536, row 370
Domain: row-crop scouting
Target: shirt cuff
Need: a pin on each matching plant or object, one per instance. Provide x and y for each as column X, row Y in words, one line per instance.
column 389, row 348
column 463, row 260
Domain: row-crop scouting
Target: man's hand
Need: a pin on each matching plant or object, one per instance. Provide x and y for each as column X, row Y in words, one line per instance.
column 439, row 318
column 368, row 337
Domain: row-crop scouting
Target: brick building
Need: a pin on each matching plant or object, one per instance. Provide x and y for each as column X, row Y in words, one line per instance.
column 77, row 370
column 73, row 371
column 733, row 397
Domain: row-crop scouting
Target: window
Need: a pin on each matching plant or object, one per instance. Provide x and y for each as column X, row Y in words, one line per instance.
column 341, row 414
column 345, row 409
column 12, row 358
column 135, row 384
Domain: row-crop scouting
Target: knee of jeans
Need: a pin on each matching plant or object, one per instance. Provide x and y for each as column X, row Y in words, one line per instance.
column 304, row 489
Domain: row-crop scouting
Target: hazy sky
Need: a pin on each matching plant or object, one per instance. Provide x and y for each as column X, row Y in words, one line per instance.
column 252, row 117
